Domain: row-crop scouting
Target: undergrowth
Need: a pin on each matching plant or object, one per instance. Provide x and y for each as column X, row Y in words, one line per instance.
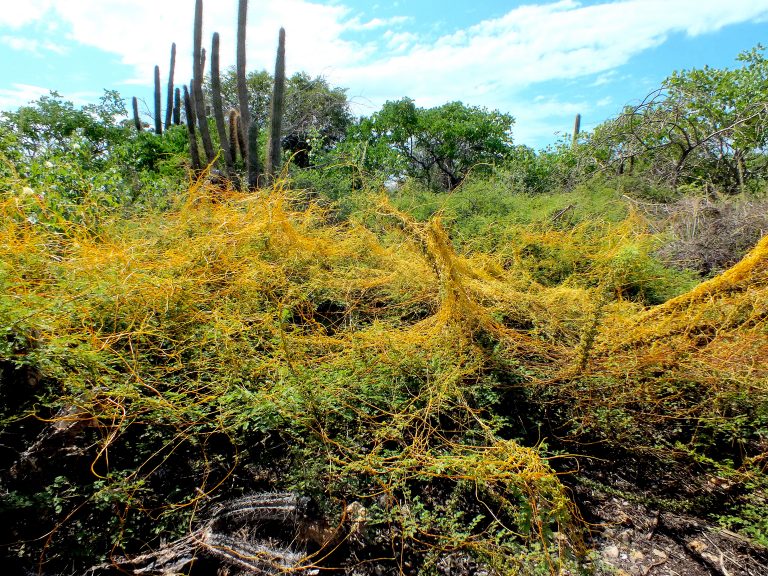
column 255, row 342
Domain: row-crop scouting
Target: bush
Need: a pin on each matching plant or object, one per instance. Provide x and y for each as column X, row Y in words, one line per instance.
column 709, row 236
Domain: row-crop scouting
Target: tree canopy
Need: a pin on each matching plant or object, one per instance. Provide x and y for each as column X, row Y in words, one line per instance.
column 48, row 125
column 702, row 126
column 439, row 145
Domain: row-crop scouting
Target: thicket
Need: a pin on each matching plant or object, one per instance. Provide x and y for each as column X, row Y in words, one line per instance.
column 443, row 352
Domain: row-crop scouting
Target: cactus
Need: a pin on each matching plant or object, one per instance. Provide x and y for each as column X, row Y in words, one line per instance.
column 218, row 111
column 190, row 113
column 576, row 129
column 235, row 142
column 242, row 140
column 197, row 39
column 169, row 105
column 251, row 160
column 278, row 104
column 136, row 119
column 253, row 154
column 177, row 107
column 158, row 111
column 197, row 83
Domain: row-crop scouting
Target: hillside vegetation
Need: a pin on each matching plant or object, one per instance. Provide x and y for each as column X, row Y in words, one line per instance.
column 448, row 377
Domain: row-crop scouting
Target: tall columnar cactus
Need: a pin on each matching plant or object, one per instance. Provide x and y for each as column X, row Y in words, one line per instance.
column 189, row 110
column 218, row 108
column 176, row 107
column 192, row 112
column 253, row 154
column 242, row 139
column 278, row 105
column 197, row 83
column 576, row 130
column 136, row 119
column 158, row 111
column 169, row 105
column 235, row 141
column 251, row 160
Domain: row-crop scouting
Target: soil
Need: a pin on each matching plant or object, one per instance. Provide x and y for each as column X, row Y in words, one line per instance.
column 629, row 538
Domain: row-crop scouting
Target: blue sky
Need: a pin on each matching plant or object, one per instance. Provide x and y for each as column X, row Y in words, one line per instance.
column 541, row 61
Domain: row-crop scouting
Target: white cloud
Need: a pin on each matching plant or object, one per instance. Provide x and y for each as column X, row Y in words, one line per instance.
column 20, row 44
column 57, row 48
column 33, row 45
column 20, row 95
column 398, row 42
column 489, row 63
column 604, row 79
column 537, row 43
column 529, row 44
column 23, row 12
column 376, row 23
column 140, row 32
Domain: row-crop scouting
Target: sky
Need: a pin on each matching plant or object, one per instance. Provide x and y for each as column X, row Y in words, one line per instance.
column 541, row 61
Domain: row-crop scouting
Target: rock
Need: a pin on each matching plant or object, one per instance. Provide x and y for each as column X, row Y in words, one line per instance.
column 660, row 554
column 625, row 536
column 636, row 555
column 611, row 552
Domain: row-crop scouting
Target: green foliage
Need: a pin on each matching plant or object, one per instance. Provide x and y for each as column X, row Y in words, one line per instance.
column 634, row 273
column 146, row 152
column 87, row 159
column 46, row 127
column 437, row 146
column 316, row 115
column 703, row 126
column 747, row 514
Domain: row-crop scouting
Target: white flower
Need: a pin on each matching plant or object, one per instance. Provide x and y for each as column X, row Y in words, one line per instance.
column 48, row 164
column 32, row 218
column 27, row 191
column 75, row 146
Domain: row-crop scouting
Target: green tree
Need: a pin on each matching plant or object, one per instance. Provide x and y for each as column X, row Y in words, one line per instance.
column 88, row 155
column 48, row 126
column 704, row 126
column 438, row 146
